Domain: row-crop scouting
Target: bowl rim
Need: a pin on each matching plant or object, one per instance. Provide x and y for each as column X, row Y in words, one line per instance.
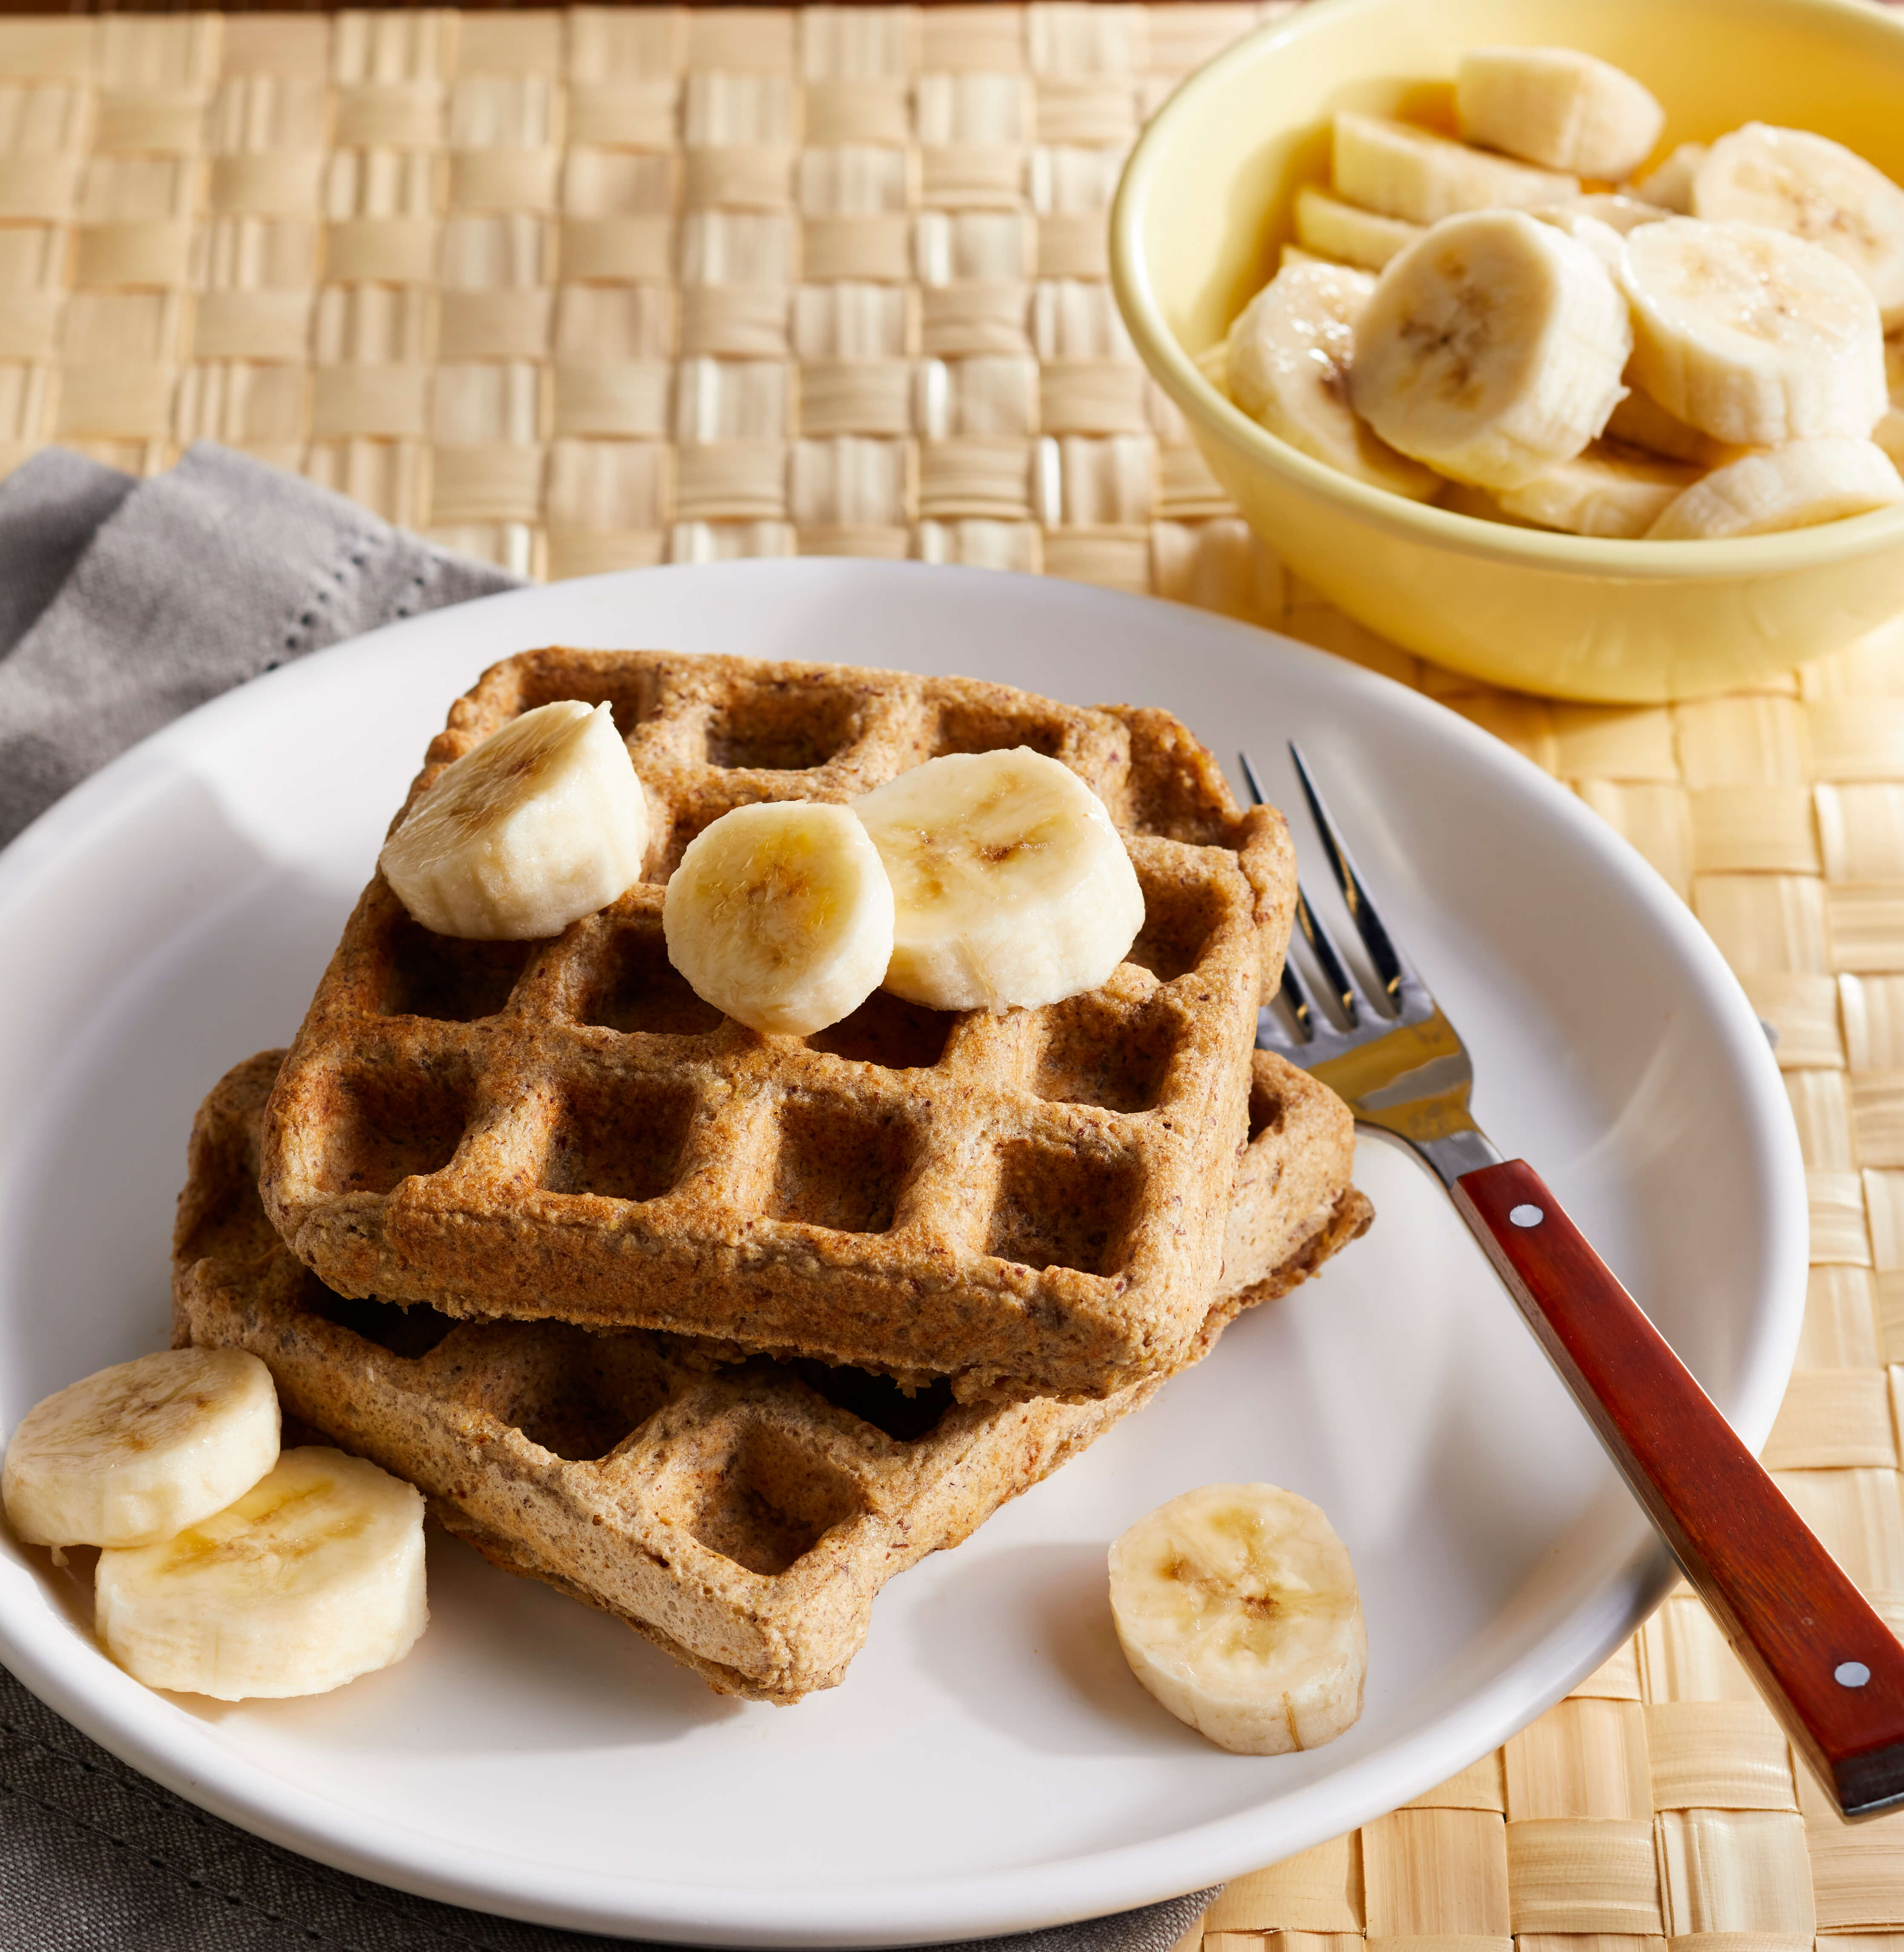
column 1635, row 559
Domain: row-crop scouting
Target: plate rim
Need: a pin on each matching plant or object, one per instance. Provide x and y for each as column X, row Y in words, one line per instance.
column 123, row 1717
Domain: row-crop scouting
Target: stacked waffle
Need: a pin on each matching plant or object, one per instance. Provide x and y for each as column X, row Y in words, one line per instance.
column 716, row 1331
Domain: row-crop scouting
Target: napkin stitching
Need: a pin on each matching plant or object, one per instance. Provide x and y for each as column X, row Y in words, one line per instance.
column 160, row 1864
column 201, row 1819
column 353, row 554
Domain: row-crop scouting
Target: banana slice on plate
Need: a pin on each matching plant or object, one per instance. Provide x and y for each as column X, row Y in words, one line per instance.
column 1795, row 486
column 1332, row 229
column 1287, row 367
column 781, row 916
column 1606, row 490
column 1671, row 186
column 1400, row 170
column 1010, row 887
column 141, row 1450
column 1492, row 349
column 314, row 1577
column 1554, row 105
column 543, row 823
column 1750, row 335
column 1237, row 1607
column 1790, row 179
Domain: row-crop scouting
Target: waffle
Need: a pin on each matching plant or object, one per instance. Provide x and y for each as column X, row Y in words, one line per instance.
column 742, row 1515
column 1029, row 1204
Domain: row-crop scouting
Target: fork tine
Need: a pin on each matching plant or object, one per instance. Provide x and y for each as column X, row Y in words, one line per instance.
column 1297, row 997
column 1334, row 971
column 1389, row 965
column 1348, row 992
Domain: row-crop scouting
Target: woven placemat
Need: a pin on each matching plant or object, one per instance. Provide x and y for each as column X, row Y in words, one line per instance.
column 579, row 291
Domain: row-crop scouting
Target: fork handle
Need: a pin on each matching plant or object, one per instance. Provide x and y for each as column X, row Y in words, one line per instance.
column 1829, row 1666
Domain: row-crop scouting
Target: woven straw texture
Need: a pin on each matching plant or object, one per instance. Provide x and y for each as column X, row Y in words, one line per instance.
column 579, row 291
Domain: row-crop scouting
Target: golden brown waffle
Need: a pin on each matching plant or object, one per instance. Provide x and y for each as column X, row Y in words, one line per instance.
column 1029, row 1204
column 744, row 1516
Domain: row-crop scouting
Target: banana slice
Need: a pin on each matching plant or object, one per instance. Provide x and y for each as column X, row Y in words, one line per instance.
column 1790, row 179
column 141, row 1450
column 314, row 1577
column 1556, row 106
column 1599, row 238
column 1010, row 886
column 1237, row 1606
column 1616, row 212
column 1640, row 420
column 1752, row 336
column 1889, row 434
column 1288, row 365
column 781, row 916
column 1460, row 499
column 1795, row 486
column 1332, row 229
column 1400, row 170
column 542, row 824
column 1671, row 186
column 1492, row 349
column 1608, row 490
column 1294, row 254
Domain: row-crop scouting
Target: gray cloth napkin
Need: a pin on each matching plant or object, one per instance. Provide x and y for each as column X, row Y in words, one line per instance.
column 123, row 604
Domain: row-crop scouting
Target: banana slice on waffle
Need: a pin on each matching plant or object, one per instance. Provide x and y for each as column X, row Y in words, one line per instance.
column 781, row 916
column 1010, row 887
column 540, row 825
column 1237, row 1606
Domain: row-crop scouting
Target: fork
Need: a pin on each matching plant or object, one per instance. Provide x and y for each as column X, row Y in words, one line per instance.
column 1830, row 1668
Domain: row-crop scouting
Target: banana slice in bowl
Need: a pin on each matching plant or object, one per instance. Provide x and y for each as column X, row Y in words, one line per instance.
column 1606, row 490
column 1492, row 349
column 1795, row 486
column 1752, row 335
column 139, row 1451
column 1286, row 364
column 1558, row 106
column 1790, row 179
column 1400, row 170
column 1237, row 1606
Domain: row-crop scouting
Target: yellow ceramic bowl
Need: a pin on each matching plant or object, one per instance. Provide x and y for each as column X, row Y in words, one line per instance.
column 1204, row 206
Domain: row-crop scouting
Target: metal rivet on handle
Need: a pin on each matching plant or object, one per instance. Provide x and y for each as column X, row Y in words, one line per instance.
column 1526, row 1215
column 1851, row 1674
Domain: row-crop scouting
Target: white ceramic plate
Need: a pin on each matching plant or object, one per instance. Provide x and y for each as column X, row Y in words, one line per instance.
column 988, row 1764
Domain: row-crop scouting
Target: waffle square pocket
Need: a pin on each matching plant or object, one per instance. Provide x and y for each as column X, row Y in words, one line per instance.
column 1024, row 1204
column 742, row 1513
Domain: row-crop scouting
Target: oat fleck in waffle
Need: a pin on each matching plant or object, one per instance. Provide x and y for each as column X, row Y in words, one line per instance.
column 741, row 1516
column 1029, row 1204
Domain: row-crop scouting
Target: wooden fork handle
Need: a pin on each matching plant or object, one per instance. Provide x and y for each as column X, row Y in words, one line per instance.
column 1829, row 1666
